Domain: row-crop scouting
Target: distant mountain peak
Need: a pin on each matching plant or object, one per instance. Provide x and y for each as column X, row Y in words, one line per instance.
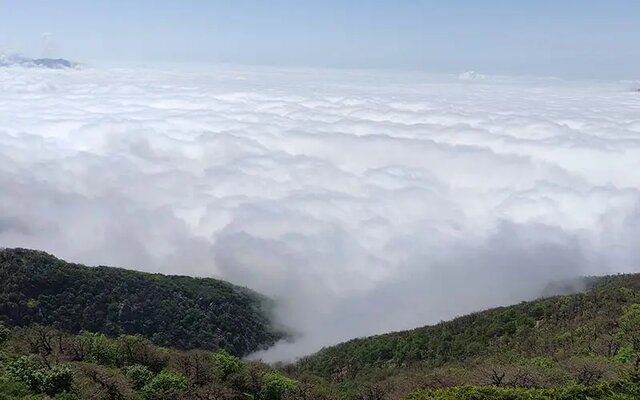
column 13, row 60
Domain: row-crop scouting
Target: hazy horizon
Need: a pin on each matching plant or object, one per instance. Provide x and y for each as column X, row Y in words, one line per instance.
column 571, row 39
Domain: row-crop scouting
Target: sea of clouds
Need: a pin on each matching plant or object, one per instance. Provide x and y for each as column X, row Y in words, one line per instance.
column 362, row 202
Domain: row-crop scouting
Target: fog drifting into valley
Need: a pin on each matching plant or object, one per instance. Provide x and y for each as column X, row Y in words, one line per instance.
column 362, row 202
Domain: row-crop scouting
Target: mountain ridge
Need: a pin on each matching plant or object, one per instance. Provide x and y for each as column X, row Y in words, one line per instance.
column 172, row 310
column 553, row 333
column 101, row 319
column 13, row 60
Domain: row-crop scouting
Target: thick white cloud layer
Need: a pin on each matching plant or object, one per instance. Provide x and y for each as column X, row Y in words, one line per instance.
column 362, row 202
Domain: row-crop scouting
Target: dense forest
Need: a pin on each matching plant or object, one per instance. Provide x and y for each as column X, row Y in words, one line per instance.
column 176, row 311
column 578, row 346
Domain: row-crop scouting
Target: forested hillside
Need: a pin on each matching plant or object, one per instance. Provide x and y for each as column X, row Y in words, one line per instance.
column 572, row 339
column 73, row 332
column 41, row 363
column 175, row 311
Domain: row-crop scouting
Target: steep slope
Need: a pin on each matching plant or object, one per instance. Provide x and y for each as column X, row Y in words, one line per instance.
column 175, row 311
column 546, row 330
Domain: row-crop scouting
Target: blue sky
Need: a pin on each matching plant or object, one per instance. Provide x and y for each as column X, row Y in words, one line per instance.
column 568, row 38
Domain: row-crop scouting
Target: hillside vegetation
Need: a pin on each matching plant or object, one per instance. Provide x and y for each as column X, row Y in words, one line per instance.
column 581, row 338
column 74, row 332
column 41, row 363
column 175, row 311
